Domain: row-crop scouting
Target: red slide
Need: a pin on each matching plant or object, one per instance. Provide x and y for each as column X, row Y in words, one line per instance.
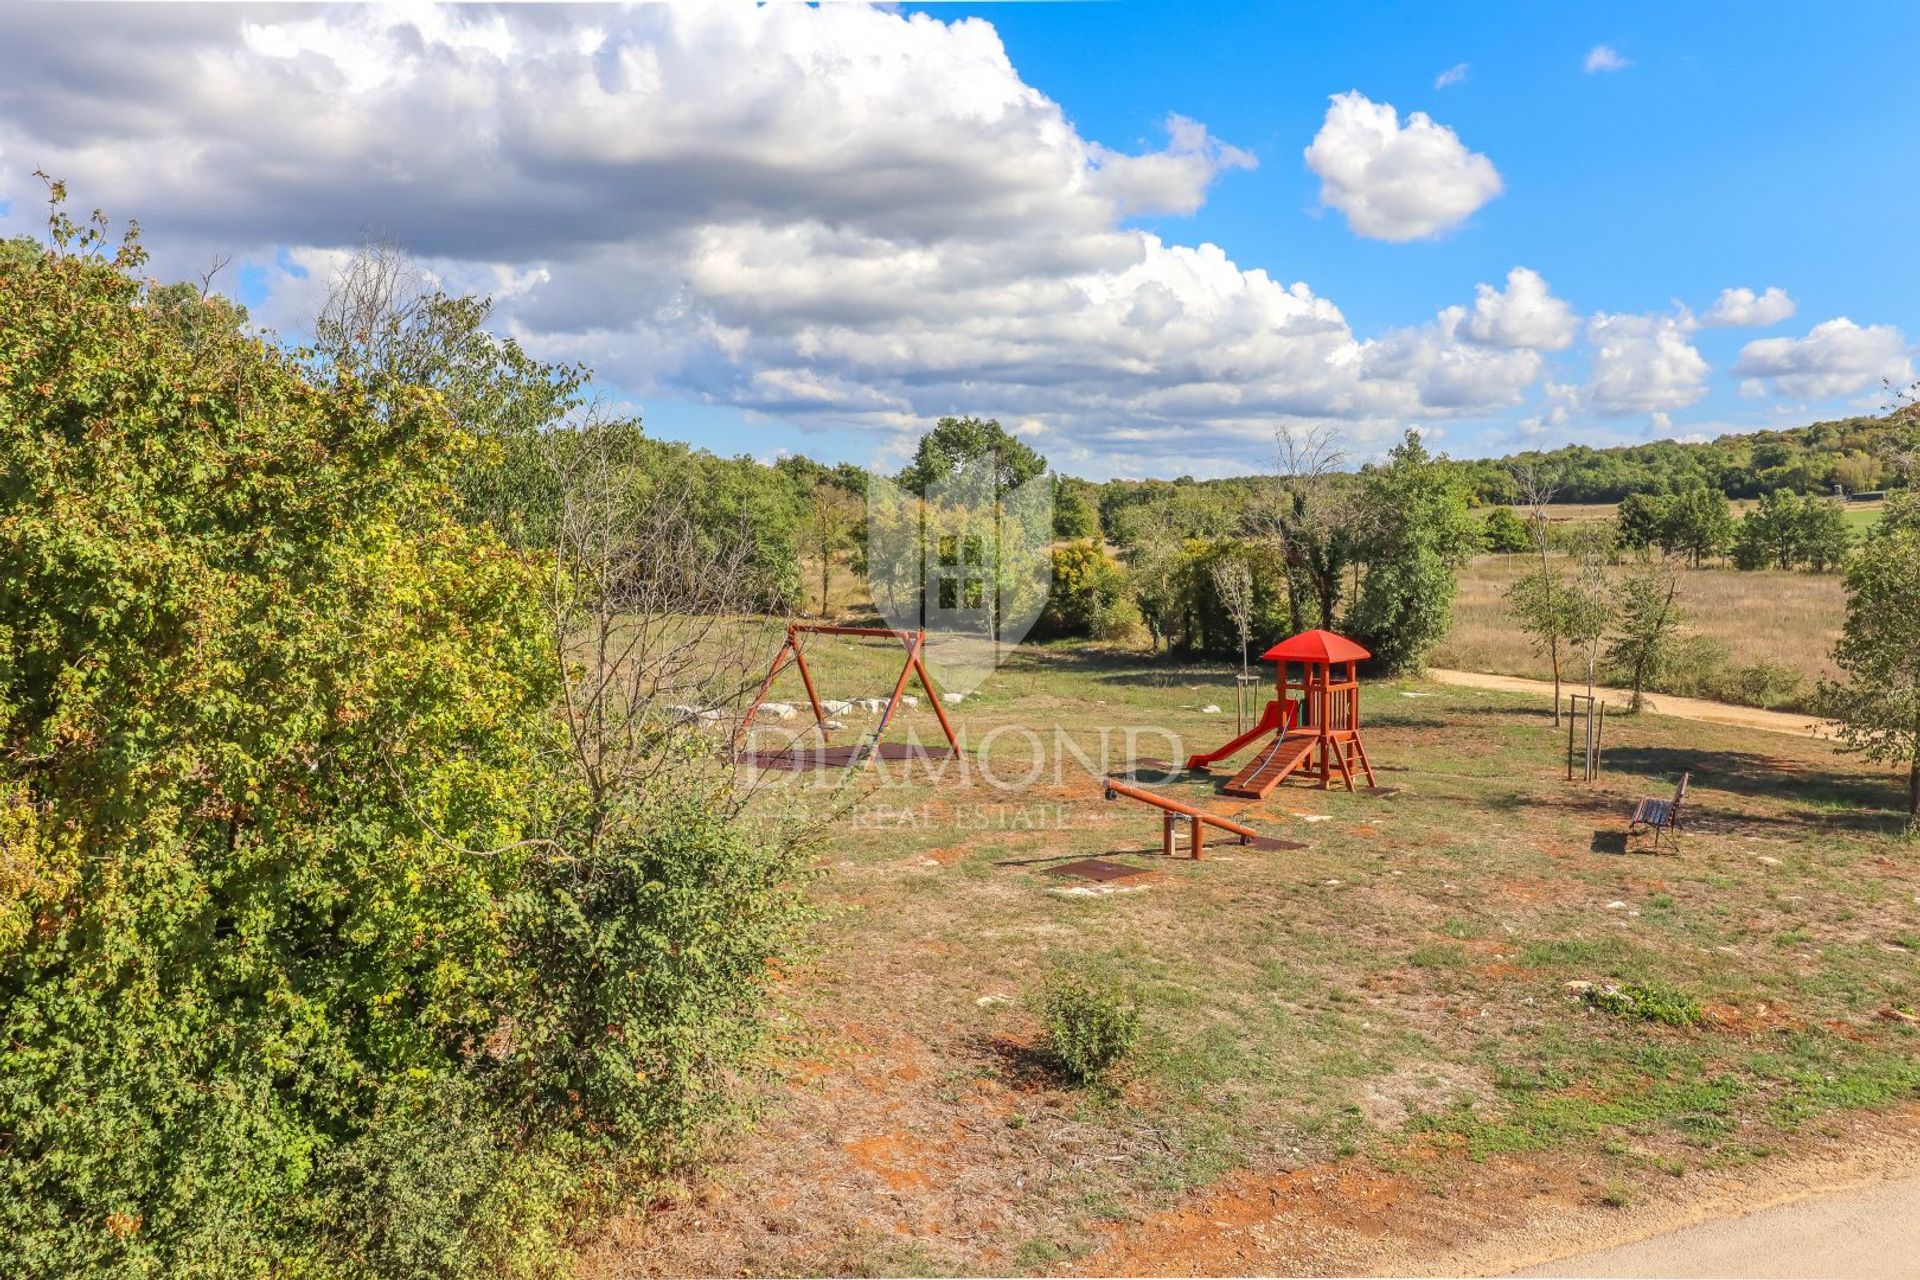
column 1273, row 718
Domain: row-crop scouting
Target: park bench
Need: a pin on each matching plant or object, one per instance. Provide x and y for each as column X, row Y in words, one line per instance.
column 1660, row 815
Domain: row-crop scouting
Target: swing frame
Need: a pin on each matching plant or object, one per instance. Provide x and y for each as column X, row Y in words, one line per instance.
column 791, row 650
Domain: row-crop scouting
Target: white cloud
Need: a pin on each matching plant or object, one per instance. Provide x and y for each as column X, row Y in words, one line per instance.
column 1455, row 74
column 1525, row 315
column 1642, row 364
column 1396, row 182
column 1744, row 309
column 1836, row 357
column 1604, row 57
column 836, row 215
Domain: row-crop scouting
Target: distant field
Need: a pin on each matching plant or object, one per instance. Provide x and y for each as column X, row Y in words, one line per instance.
column 1776, row 616
column 1859, row 514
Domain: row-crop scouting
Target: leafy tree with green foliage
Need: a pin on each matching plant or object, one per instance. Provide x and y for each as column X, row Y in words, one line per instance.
column 1074, row 513
column 1641, row 520
column 954, row 443
column 319, row 955
column 1877, row 700
column 1089, row 596
column 1698, row 525
column 1505, row 533
column 830, row 526
column 1788, row 531
column 1418, row 536
column 1646, row 628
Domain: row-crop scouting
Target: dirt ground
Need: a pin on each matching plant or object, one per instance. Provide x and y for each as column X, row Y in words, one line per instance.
column 1666, row 704
column 1362, row 1053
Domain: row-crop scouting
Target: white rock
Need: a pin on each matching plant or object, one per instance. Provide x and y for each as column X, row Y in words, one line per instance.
column 955, row 699
column 835, row 708
column 1616, row 905
column 993, row 998
column 779, row 710
column 1210, row 710
column 871, row 706
column 908, row 700
column 1765, row 861
column 833, row 724
column 682, row 714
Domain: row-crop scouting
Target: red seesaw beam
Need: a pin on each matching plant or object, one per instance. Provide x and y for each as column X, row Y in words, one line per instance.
column 1171, row 813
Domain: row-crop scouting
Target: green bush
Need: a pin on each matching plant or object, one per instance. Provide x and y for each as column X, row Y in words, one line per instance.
column 1092, row 1025
column 1646, row 1002
column 313, row 958
column 1089, row 598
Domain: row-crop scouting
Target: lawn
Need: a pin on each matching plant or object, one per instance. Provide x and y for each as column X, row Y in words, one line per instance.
column 1391, row 1002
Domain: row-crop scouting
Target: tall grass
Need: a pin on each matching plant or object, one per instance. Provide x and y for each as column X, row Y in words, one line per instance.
column 1782, row 617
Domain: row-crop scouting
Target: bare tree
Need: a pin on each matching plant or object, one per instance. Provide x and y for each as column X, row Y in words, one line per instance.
column 1540, row 599
column 1312, row 517
column 372, row 304
column 652, row 620
column 1233, row 580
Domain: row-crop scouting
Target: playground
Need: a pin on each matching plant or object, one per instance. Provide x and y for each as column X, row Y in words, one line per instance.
column 1382, row 1022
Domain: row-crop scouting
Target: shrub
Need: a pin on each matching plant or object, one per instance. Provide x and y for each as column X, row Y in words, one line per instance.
column 1092, row 1025
column 1505, row 533
column 1646, row 1002
column 312, row 960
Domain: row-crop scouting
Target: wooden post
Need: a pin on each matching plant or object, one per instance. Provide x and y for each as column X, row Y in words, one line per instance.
column 1196, row 838
column 1166, row 834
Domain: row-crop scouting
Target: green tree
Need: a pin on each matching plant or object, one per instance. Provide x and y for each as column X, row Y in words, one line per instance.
column 1505, row 533
column 1074, row 512
column 1877, row 699
column 1089, row 596
column 1646, row 627
column 1698, row 524
column 954, row 443
column 1419, row 534
column 829, row 527
column 1641, row 519
column 322, row 951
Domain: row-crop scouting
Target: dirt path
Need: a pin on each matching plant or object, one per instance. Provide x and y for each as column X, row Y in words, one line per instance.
column 1866, row 1233
column 1795, row 723
column 1551, row 1216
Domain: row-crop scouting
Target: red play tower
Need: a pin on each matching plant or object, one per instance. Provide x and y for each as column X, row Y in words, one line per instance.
column 1315, row 720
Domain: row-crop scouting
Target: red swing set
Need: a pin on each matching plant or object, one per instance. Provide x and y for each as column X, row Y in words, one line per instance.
column 915, row 643
column 1315, row 719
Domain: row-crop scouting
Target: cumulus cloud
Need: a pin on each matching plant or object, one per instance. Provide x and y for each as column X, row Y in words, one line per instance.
column 837, row 215
column 1744, row 309
column 1393, row 181
column 1642, row 364
column 1455, row 74
column 1604, row 57
column 1524, row 315
column 1836, row 357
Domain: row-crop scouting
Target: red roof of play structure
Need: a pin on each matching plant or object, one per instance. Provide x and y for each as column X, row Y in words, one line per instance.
column 1316, row 646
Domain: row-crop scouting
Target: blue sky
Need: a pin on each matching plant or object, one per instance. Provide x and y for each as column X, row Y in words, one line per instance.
column 813, row 230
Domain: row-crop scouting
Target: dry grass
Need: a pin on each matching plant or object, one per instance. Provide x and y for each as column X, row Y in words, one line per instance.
column 1393, row 991
column 1773, row 616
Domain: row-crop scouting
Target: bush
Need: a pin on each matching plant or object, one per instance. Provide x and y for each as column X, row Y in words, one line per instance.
column 1647, row 1002
column 1092, row 1025
column 1505, row 533
column 310, row 962
column 1089, row 598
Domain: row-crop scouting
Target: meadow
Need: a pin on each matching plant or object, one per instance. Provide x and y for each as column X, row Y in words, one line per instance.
column 1777, row 616
column 1372, row 1033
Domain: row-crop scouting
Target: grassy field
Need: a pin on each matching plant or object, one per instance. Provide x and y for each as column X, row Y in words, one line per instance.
column 1860, row 515
column 1772, row 616
column 1385, row 1010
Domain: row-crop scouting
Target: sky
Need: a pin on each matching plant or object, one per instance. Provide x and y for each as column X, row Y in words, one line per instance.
column 1144, row 236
